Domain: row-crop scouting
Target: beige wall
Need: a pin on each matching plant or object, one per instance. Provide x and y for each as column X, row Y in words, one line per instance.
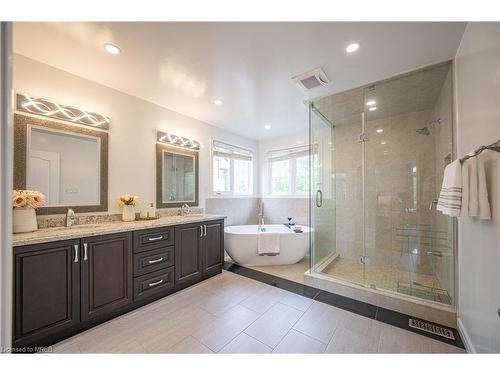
column 478, row 123
column 132, row 134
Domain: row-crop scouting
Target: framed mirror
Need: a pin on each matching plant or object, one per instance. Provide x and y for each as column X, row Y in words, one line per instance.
column 67, row 163
column 176, row 176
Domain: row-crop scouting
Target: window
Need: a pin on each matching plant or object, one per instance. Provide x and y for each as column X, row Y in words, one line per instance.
column 232, row 169
column 289, row 171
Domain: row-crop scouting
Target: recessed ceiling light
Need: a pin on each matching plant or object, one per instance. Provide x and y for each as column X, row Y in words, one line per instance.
column 372, row 108
column 218, row 102
column 371, row 102
column 267, row 126
column 380, row 130
column 111, row 48
column 383, row 142
column 353, row 47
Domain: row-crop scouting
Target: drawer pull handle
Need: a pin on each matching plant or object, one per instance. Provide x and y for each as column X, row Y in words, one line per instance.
column 155, row 238
column 85, row 255
column 76, row 254
column 156, row 283
column 155, row 260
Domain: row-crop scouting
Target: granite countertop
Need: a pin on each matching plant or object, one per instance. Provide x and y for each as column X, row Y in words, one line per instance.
column 87, row 230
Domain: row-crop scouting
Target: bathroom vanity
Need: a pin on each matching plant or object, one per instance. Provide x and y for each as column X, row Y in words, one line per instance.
column 67, row 280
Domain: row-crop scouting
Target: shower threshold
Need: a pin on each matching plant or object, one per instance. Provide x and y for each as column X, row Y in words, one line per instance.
column 406, row 303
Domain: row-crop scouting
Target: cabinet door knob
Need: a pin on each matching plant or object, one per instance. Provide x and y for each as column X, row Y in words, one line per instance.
column 76, row 254
column 85, row 255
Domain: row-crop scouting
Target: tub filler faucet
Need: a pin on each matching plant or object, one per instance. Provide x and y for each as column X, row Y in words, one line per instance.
column 261, row 218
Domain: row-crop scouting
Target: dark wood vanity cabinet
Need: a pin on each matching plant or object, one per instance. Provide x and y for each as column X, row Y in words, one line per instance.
column 106, row 274
column 46, row 290
column 199, row 250
column 213, row 247
column 188, row 252
column 64, row 287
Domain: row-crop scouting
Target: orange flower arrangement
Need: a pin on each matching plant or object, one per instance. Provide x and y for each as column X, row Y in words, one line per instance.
column 27, row 198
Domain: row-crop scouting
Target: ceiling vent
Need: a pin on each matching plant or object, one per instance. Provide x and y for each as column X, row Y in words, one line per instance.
column 312, row 79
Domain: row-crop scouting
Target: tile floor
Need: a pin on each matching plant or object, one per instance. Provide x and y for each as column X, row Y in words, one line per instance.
column 233, row 314
column 293, row 272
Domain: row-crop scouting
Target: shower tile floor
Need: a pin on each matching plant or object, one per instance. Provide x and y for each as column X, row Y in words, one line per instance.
column 230, row 313
column 387, row 278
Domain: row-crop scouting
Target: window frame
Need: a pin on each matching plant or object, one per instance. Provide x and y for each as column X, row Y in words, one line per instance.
column 292, row 170
column 231, row 193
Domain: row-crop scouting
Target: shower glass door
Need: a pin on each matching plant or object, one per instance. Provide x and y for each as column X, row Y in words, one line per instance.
column 379, row 154
column 408, row 244
column 322, row 192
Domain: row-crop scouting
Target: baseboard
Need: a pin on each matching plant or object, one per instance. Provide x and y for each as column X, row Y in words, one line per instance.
column 469, row 347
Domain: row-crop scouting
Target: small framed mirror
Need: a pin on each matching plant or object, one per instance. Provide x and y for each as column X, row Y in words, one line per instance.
column 176, row 176
column 67, row 163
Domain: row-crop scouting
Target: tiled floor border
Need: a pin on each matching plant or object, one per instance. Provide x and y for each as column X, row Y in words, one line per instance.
column 380, row 314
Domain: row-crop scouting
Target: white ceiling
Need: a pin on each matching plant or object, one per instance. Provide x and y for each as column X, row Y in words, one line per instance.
column 186, row 66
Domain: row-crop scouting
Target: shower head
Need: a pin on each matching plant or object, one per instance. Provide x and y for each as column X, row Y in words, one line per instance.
column 423, row 131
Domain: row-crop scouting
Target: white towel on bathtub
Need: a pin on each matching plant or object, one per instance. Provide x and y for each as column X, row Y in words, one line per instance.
column 268, row 243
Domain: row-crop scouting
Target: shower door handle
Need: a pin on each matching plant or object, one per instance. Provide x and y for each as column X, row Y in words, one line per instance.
column 319, row 198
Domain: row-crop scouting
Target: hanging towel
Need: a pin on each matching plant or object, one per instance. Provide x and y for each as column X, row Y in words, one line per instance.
column 469, row 187
column 268, row 243
column 484, row 212
column 450, row 198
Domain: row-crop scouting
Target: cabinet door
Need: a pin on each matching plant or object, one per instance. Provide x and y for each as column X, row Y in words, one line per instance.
column 188, row 252
column 47, row 290
column 106, row 274
column 213, row 247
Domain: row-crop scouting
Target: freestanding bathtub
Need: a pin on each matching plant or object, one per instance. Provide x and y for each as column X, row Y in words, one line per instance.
column 240, row 242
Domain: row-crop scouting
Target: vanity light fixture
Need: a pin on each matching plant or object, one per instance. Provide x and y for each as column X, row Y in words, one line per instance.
column 353, row 47
column 371, row 102
column 383, row 142
column 380, row 130
column 112, row 49
column 267, row 126
column 175, row 140
column 372, row 109
column 49, row 108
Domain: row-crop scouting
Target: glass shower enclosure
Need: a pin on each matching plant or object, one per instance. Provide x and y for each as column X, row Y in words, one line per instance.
column 378, row 155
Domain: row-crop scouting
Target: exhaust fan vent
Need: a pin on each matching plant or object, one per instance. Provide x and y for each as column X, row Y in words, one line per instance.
column 312, row 79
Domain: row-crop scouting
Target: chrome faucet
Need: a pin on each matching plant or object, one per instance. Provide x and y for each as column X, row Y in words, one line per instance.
column 70, row 217
column 185, row 209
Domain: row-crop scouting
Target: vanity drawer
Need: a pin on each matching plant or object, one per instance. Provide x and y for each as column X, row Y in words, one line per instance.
column 154, row 238
column 155, row 282
column 153, row 260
